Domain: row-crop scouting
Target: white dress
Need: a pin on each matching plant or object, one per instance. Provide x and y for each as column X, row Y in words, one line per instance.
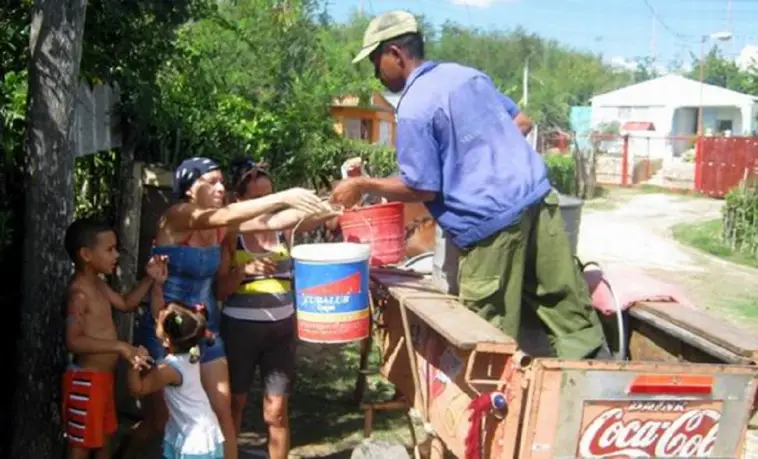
column 192, row 431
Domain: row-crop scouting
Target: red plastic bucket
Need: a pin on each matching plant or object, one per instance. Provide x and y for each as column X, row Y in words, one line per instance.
column 379, row 225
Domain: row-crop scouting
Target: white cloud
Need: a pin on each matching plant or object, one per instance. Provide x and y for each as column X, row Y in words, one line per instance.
column 748, row 57
column 623, row 63
column 480, row 3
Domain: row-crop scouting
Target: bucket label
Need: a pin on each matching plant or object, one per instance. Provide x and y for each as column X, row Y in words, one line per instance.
column 338, row 288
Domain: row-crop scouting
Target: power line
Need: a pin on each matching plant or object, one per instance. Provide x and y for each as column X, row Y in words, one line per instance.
column 662, row 22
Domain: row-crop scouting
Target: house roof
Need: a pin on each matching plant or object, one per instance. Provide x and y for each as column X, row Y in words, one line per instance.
column 638, row 126
column 392, row 98
column 673, row 90
column 379, row 102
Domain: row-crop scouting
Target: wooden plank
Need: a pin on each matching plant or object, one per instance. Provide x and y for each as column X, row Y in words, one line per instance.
column 705, row 325
column 457, row 324
column 97, row 123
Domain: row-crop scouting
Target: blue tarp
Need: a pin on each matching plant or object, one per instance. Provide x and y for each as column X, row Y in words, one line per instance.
column 581, row 124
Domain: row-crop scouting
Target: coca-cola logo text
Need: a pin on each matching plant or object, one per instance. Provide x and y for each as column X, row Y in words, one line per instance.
column 618, row 432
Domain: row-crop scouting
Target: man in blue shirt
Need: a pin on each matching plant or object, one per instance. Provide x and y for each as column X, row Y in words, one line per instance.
column 459, row 152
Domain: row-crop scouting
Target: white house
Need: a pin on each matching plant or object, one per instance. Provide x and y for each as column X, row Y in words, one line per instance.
column 661, row 115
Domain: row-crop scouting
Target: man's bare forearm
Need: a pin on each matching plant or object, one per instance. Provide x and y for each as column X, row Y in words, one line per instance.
column 393, row 189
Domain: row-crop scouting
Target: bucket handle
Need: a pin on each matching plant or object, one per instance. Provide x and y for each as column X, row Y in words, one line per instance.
column 339, row 210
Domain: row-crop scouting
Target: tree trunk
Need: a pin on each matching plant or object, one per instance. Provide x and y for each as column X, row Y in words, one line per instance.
column 56, row 46
column 128, row 212
column 128, row 217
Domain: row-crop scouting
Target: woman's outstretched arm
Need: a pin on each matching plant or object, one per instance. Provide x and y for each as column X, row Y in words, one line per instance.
column 188, row 216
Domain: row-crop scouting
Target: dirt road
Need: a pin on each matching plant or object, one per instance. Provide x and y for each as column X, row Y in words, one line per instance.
column 634, row 228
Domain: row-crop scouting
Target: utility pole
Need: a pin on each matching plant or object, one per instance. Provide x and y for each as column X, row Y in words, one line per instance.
column 652, row 43
column 525, row 82
column 729, row 26
column 360, row 7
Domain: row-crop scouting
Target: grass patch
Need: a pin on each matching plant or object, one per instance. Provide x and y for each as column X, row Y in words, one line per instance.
column 706, row 236
column 745, row 308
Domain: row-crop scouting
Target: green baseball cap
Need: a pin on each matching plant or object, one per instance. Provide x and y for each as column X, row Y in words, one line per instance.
column 386, row 27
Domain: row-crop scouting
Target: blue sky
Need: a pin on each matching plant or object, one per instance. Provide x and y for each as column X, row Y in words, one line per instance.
column 616, row 28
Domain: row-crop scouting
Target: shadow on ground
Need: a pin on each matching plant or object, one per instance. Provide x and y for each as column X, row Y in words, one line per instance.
column 326, row 423
column 325, row 420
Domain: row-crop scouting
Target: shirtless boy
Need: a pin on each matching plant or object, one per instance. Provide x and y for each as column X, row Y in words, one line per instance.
column 89, row 411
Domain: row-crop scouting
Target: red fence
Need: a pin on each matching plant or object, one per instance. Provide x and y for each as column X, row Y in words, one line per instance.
column 721, row 163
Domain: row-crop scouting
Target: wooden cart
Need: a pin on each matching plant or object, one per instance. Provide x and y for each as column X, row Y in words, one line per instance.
column 687, row 390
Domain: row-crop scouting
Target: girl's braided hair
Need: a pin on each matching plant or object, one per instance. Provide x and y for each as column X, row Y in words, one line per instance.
column 186, row 328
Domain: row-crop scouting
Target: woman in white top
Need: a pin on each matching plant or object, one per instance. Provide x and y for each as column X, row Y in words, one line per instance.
column 258, row 321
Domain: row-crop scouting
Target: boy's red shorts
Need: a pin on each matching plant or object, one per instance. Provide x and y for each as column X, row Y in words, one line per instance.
column 89, row 409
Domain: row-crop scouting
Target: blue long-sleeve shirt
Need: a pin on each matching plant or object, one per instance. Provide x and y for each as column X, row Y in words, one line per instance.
column 456, row 137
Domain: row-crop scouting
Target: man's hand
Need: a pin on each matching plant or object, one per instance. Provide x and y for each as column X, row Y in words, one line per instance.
column 353, row 167
column 260, row 267
column 157, row 268
column 347, row 193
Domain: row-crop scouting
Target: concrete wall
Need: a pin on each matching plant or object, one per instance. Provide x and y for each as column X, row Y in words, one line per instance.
column 609, row 170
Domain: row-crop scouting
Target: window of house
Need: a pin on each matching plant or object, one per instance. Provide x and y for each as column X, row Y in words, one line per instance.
column 366, row 125
column 624, row 113
column 385, row 133
column 352, row 128
column 725, row 125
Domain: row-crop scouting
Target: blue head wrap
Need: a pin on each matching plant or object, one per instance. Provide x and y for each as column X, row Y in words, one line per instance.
column 189, row 171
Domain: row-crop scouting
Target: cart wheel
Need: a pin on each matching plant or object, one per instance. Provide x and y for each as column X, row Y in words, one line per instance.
column 379, row 449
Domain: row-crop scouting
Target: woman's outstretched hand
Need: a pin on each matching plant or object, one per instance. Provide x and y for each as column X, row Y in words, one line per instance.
column 303, row 200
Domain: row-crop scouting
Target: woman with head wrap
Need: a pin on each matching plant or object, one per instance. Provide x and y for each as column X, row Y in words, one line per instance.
column 189, row 233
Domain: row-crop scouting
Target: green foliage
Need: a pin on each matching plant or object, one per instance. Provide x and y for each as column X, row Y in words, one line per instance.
column 708, row 237
column 558, row 76
column 94, row 176
column 560, row 169
column 327, row 155
column 12, row 114
column 281, row 71
column 724, row 72
column 740, row 220
column 14, row 51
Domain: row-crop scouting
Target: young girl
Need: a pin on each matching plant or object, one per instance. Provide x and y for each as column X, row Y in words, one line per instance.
column 193, row 431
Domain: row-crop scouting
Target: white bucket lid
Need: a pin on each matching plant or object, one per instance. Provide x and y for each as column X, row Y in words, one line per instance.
column 332, row 252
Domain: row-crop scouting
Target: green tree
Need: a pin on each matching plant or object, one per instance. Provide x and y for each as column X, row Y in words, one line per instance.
column 283, row 65
column 723, row 72
column 558, row 77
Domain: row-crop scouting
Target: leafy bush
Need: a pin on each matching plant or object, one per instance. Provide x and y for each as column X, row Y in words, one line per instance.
column 740, row 219
column 560, row 169
column 325, row 155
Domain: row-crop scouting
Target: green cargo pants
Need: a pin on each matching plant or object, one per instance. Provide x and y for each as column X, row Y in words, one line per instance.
column 530, row 263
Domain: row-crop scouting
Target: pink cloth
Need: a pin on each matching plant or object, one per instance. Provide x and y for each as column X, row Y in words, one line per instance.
column 629, row 286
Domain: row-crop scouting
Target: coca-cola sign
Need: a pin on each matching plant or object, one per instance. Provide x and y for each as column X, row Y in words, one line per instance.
column 649, row 429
